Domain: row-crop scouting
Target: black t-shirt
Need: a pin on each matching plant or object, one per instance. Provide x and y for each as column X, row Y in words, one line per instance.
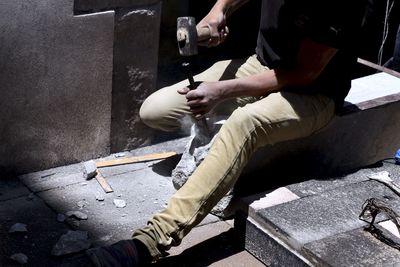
column 284, row 23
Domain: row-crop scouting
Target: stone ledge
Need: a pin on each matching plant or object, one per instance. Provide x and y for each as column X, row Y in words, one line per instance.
column 302, row 229
column 362, row 96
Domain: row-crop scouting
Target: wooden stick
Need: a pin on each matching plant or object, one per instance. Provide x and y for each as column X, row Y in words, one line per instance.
column 103, row 183
column 115, row 162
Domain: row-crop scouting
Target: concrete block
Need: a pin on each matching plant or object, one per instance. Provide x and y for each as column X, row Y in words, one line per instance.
column 90, row 169
column 56, row 84
column 135, row 73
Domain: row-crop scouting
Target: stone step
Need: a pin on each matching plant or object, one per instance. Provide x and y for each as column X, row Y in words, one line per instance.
column 315, row 223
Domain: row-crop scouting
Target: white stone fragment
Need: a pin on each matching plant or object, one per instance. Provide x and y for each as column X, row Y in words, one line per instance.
column 119, row 203
column 120, row 155
column 391, row 227
column 81, row 204
column 380, row 176
column 77, row 214
column 276, row 197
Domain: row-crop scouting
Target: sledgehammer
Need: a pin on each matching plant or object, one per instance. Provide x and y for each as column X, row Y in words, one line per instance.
column 188, row 37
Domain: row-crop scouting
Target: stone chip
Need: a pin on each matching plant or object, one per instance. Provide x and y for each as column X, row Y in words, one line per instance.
column 71, row 242
column 18, row 227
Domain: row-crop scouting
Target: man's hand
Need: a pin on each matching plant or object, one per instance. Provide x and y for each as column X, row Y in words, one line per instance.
column 215, row 25
column 202, row 99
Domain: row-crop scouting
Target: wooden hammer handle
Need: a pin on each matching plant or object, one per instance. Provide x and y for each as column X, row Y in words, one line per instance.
column 203, row 34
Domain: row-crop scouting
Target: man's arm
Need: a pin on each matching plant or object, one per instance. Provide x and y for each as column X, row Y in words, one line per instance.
column 215, row 21
column 311, row 60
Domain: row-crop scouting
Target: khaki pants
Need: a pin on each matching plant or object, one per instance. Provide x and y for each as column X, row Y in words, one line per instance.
column 254, row 122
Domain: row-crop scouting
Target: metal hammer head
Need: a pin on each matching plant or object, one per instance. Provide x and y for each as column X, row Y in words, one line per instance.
column 187, row 36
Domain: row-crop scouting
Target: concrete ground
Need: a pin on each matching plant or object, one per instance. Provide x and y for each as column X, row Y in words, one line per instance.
column 41, row 200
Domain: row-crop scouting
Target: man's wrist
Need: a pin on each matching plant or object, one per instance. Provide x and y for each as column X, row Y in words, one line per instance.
column 229, row 6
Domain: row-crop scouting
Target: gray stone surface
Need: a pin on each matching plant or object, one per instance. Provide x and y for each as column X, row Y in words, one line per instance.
column 326, row 214
column 135, row 73
column 356, row 248
column 56, row 76
column 321, row 184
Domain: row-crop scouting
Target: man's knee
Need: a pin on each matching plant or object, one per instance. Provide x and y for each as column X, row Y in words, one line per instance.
column 156, row 112
column 149, row 114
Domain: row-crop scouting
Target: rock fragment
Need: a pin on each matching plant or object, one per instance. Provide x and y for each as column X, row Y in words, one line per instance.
column 71, row 242
column 77, row 214
column 20, row 258
column 81, row 204
column 60, row 217
column 100, row 198
column 18, row 227
column 119, row 203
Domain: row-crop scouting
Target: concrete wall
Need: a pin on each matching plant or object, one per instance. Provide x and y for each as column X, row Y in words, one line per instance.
column 72, row 83
column 136, row 40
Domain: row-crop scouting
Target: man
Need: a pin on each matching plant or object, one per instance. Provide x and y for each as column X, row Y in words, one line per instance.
column 300, row 74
